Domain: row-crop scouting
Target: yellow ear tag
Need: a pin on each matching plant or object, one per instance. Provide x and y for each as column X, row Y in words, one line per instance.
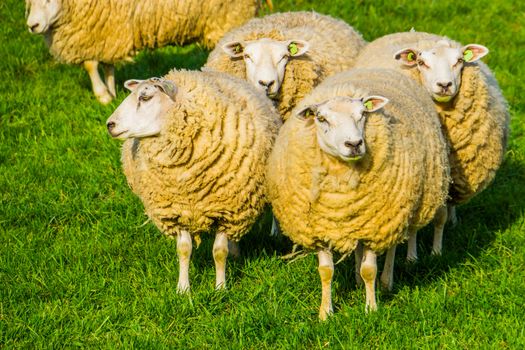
column 369, row 105
column 411, row 56
column 467, row 55
column 293, row 48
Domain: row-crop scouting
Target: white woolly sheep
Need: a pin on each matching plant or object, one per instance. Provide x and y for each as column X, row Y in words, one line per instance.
column 363, row 161
column 285, row 55
column 195, row 154
column 87, row 32
column 473, row 112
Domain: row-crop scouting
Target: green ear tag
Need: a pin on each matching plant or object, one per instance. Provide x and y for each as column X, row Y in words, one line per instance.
column 467, row 55
column 369, row 105
column 238, row 48
column 411, row 56
column 293, row 48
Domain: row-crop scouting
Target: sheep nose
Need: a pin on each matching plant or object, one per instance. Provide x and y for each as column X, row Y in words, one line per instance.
column 353, row 144
column 444, row 85
column 266, row 84
column 111, row 126
column 33, row 27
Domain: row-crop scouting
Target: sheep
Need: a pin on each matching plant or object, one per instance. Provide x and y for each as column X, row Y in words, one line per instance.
column 89, row 33
column 285, row 55
column 361, row 165
column 195, row 150
column 473, row 113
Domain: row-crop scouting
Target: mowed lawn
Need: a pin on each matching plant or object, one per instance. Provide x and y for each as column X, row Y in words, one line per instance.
column 81, row 267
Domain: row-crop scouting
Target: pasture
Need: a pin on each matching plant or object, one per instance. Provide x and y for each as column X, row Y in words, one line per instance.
column 81, row 267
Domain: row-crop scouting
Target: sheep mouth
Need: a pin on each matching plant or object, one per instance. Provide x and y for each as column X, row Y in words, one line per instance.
column 442, row 97
column 351, row 158
column 117, row 135
column 272, row 95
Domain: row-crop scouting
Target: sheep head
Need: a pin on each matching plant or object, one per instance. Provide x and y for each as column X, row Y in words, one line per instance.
column 340, row 124
column 42, row 14
column 266, row 60
column 141, row 113
column 440, row 67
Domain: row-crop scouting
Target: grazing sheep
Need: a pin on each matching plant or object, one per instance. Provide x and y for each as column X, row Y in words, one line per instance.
column 473, row 112
column 363, row 161
column 87, row 32
column 287, row 54
column 195, row 153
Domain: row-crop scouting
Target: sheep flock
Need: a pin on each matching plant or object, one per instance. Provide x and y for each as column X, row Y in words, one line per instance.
column 354, row 145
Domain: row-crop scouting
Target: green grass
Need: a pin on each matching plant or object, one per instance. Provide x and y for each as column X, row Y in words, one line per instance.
column 79, row 269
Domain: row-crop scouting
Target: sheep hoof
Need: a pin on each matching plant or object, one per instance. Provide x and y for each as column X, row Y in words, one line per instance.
column 436, row 252
column 324, row 314
column 411, row 259
column 183, row 289
column 105, row 98
column 387, row 285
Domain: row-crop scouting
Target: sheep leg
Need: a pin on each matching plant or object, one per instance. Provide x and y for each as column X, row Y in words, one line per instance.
column 109, row 75
column 184, row 246
column 368, row 273
column 387, row 277
column 358, row 258
column 439, row 225
column 220, row 254
column 276, row 228
column 326, row 272
column 99, row 88
column 452, row 217
column 412, row 247
column 233, row 249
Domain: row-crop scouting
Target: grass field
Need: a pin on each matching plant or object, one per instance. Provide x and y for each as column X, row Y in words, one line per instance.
column 79, row 269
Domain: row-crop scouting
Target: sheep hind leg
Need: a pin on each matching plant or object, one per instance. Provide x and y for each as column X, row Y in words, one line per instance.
column 368, row 273
column 234, row 249
column 412, row 247
column 326, row 272
column 387, row 277
column 99, row 88
column 184, row 247
column 439, row 225
column 220, row 255
column 452, row 217
column 109, row 75
column 358, row 253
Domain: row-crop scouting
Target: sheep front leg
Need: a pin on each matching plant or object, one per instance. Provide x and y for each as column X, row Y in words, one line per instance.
column 452, row 217
column 412, row 247
column 220, row 254
column 184, row 247
column 439, row 225
column 109, row 75
column 387, row 277
column 326, row 272
column 368, row 273
column 99, row 88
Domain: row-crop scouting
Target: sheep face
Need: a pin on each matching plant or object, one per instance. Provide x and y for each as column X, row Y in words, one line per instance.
column 42, row 14
column 266, row 60
column 340, row 124
column 440, row 67
column 141, row 113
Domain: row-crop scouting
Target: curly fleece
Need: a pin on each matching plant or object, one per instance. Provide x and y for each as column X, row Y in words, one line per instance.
column 206, row 169
column 114, row 30
column 334, row 45
column 475, row 124
column 322, row 202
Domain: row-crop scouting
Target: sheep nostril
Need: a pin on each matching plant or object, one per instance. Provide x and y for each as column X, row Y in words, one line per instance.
column 33, row 27
column 266, row 84
column 445, row 85
column 111, row 126
column 353, row 144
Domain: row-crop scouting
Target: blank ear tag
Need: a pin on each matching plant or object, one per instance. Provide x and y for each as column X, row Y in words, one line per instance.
column 293, row 48
column 467, row 55
column 369, row 105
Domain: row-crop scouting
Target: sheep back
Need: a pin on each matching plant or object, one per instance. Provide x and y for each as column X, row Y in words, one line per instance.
column 206, row 170
column 334, row 45
column 476, row 124
column 323, row 202
column 114, row 30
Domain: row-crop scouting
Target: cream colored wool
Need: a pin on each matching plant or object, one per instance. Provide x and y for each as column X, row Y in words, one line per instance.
column 206, row 170
column 114, row 30
column 322, row 202
column 476, row 124
column 334, row 45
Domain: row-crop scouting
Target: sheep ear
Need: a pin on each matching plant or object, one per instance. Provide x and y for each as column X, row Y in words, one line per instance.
column 306, row 113
column 297, row 47
column 473, row 52
column 234, row 49
column 168, row 87
column 407, row 56
column 373, row 103
column 132, row 84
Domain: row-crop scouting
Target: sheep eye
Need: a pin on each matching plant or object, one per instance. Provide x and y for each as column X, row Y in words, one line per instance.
column 144, row 98
column 321, row 119
column 460, row 60
column 246, row 56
